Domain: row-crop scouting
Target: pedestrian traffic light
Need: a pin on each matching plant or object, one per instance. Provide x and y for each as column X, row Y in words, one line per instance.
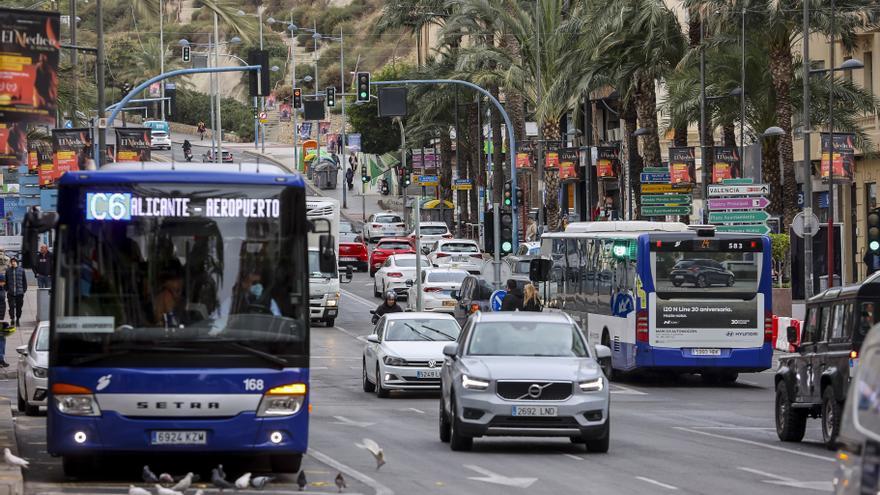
column 506, row 232
column 874, row 231
column 489, row 232
column 297, row 97
column 520, row 197
column 331, row 96
column 186, row 53
column 363, row 86
column 508, row 195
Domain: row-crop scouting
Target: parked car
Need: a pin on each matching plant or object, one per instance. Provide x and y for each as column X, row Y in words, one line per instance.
column 160, row 140
column 348, row 232
column 354, row 253
column 437, row 287
column 473, row 296
column 701, row 273
column 385, row 224
column 388, row 247
column 33, row 371
column 394, row 274
column 405, row 352
column 524, row 374
column 814, row 380
column 431, row 232
column 225, row 156
column 457, row 253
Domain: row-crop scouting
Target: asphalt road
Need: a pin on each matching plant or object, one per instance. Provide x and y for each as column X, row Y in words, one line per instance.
column 667, row 436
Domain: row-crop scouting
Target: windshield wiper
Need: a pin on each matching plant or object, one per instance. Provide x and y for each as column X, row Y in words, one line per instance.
column 121, row 351
column 419, row 333
column 450, row 337
column 234, row 344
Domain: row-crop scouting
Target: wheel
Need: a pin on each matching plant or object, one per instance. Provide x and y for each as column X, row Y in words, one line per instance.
column 710, row 378
column 677, row 284
column 701, row 281
column 730, row 281
column 381, row 391
column 376, row 292
column 601, row 444
column 445, row 427
column 790, row 423
column 831, row 410
column 22, row 405
column 367, row 384
column 286, row 463
column 372, row 272
column 30, row 410
column 605, row 364
column 457, row 441
column 79, row 467
column 330, row 322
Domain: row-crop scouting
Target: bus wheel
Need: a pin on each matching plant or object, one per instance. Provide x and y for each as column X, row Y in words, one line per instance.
column 286, row 463
column 79, row 467
column 728, row 378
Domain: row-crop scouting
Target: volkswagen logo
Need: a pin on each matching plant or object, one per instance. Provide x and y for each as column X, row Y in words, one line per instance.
column 535, row 390
column 432, row 363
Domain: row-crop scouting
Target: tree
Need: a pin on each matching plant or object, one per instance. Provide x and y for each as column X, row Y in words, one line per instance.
column 378, row 135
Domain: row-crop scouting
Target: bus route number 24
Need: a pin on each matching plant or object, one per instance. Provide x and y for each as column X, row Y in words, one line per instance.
column 253, row 384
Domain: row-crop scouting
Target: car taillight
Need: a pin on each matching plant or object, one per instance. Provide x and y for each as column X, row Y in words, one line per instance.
column 447, row 236
column 442, row 255
column 854, row 354
column 768, row 326
column 395, row 275
column 642, row 326
column 376, row 225
column 399, row 225
column 477, row 255
column 432, row 289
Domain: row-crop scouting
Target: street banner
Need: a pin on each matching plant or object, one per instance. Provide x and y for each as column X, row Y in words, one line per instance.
column 551, row 154
column 524, row 154
column 13, row 143
column 323, row 127
column 284, row 110
column 844, row 155
column 133, row 144
column 726, row 165
column 607, row 162
column 354, row 143
column 29, row 45
column 305, row 130
column 39, row 153
column 155, row 90
column 568, row 163
column 71, row 149
column 682, row 165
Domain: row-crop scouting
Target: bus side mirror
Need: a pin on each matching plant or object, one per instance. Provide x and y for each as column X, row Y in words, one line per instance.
column 327, row 253
column 35, row 223
column 539, row 270
column 791, row 334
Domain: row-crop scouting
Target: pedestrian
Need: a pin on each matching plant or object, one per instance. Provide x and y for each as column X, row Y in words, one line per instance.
column 16, row 286
column 3, row 325
column 513, row 299
column 531, row 230
column 43, row 268
column 530, row 299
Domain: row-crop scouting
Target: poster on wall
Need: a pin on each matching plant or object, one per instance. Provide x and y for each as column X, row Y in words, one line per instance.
column 607, row 162
column 726, row 164
column 568, row 163
column 524, row 154
column 284, row 110
column 39, row 153
column 551, row 154
column 682, row 165
column 844, row 155
column 29, row 45
column 13, row 143
column 71, row 149
column 133, row 144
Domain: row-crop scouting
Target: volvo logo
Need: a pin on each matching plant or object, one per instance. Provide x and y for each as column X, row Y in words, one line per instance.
column 535, row 390
column 432, row 363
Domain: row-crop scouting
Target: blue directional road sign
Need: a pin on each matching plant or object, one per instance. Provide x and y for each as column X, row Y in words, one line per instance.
column 68, row 124
column 496, row 298
column 655, row 178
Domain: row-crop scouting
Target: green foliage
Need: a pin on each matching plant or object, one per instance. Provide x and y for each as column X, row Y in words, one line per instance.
column 780, row 245
column 378, row 135
column 193, row 107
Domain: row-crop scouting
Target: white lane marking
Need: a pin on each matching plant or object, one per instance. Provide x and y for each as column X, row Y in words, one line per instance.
column 765, row 474
column 351, row 334
column 746, row 382
column 343, row 358
column 758, row 444
column 655, row 482
column 413, row 409
column 733, row 427
column 342, row 420
column 572, row 456
column 363, row 478
column 490, row 477
column 313, row 368
column 820, row 486
column 621, row 390
column 359, row 299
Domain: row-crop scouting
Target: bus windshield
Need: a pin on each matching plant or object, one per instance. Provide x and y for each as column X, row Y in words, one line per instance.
column 189, row 267
column 726, row 268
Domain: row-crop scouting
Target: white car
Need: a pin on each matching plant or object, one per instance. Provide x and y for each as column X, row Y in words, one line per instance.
column 431, row 232
column 405, row 352
column 33, row 371
column 160, row 140
column 387, row 224
column 348, row 232
column 437, row 287
column 395, row 272
column 529, row 249
column 463, row 254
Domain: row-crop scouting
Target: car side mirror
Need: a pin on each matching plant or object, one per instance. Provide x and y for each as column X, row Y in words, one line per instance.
column 426, row 250
column 454, row 294
column 347, row 276
column 409, row 283
column 451, row 350
column 373, row 338
column 602, row 351
column 791, row 333
column 539, row 270
column 22, row 349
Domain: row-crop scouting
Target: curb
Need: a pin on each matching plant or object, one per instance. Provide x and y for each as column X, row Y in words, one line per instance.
column 11, row 479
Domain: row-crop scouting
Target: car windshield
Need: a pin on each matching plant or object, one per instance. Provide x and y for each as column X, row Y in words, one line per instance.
column 346, row 228
column 315, row 267
column 526, row 338
column 393, row 245
column 459, row 247
column 42, row 343
column 389, row 219
column 422, row 329
column 410, row 262
column 433, row 230
column 446, row 277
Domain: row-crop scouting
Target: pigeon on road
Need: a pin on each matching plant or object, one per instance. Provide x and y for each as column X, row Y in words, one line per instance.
column 220, row 471
column 14, row 460
column 340, row 482
column 166, row 479
column 184, row 483
column 219, row 481
column 374, row 449
column 148, row 476
column 242, row 482
column 261, row 481
column 301, row 480
column 161, row 490
column 134, row 490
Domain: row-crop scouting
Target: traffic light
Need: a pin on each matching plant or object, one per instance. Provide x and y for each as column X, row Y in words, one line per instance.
column 259, row 80
column 506, row 232
column 297, row 97
column 364, row 177
column 489, row 232
column 520, row 197
column 874, row 231
column 363, row 86
column 407, row 179
column 508, row 195
column 186, row 53
column 331, row 96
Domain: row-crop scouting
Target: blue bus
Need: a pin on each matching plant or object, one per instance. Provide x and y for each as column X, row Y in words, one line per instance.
column 180, row 313
column 666, row 296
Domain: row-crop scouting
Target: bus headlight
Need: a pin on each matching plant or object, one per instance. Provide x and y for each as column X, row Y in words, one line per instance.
column 285, row 400
column 596, row 385
column 75, row 400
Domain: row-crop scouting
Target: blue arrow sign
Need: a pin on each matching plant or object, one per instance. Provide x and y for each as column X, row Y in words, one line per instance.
column 496, row 298
column 68, row 124
column 655, row 178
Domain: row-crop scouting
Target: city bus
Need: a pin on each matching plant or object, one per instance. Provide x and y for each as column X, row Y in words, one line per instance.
column 666, row 296
column 180, row 313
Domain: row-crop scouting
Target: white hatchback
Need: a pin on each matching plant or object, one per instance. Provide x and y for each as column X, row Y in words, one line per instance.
column 437, row 287
column 386, row 224
column 432, row 232
column 33, row 371
column 395, row 273
column 463, row 254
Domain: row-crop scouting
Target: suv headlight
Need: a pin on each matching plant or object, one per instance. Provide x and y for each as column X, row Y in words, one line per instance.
column 596, row 385
column 474, row 383
column 394, row 361
column 41, row 372
column 285, row 400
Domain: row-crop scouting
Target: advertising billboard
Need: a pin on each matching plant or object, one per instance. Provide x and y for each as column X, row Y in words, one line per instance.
column 132, row 144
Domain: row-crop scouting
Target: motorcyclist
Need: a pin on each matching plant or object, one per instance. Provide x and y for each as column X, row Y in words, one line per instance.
column 389, row 305
column 187, row 150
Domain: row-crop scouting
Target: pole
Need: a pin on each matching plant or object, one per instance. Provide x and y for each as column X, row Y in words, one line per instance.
column 102, row 134
column 292, row 86
column 315, row 56
column 73, row 59
column 830, row 233
column 496, row 231
column 458, row 174
column 704, row 168
column 538, row 98
column 418, row 213
column 263, row 90
column 256, row 126
column 480, row 200
column 402, row 158
column 342, row 102
column 808, row 167
column 218, row 155
column 213, row 102
column 742, row 95
column 162, row 57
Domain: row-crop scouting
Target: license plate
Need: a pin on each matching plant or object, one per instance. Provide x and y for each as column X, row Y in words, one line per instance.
column 450, row 302
column 179, row 438
column 428, row 374
column 460, row 258
column 347, row 258
column 535, row 411
column 679, row 277
column 706, row 352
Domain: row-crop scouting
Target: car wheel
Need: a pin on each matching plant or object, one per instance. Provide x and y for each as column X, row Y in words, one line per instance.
column 376, row 292
column 30, row 410
column 21, row 402
column 831, row 410
column 457, row 441
column 730, row 281
column 381, row 392
column 445, row 427
column 330, row 322
column 677, row 284
column 372, row 272
column 368, row 385
column 701, row 281
column 600, row 445
column 790, row 423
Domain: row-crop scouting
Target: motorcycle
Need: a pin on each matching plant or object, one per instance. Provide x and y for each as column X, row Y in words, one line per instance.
column 188, row 155
column 383, row 187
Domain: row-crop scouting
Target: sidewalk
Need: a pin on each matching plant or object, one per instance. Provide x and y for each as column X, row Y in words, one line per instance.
column 22, row 333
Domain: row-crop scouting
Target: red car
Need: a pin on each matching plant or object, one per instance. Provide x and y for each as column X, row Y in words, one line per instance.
column 354, row 254
column 387, row 247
